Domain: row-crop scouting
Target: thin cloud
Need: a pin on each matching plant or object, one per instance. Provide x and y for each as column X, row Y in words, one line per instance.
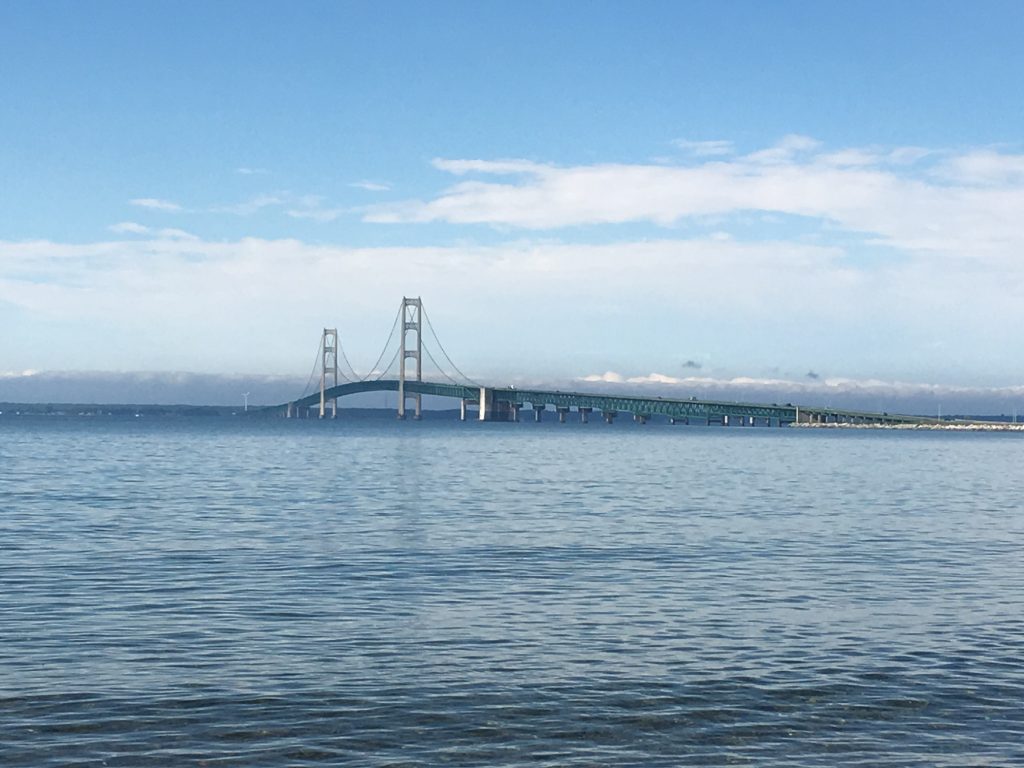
column 371, row 186
column 155, row 204
column 864, row 394
column 804, row 293
column 965, row 206
column 705, row 148
column 133, row 228
column 252, row 205
column 172, row 233
column 129, row 228
column 498, row 167
column 251, row 171
column 786, row 150
column 322, row 215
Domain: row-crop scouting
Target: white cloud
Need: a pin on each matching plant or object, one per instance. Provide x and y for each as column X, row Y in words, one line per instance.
column 371, row 186
column 132, row 228
column 973, row 212
column 129, row 228
column 608, row 377
column 499, row 167
column 985, row 168
column 784, row 301
column 705, row 148
column 154, row 204
column 786, row 150
column 312, row 207
column 864, row 394
column 317, row 214
column 252, row 205
column 251, row 171
column 176, row 234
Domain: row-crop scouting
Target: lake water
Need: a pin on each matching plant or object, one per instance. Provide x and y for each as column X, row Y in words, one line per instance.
column 233, row 592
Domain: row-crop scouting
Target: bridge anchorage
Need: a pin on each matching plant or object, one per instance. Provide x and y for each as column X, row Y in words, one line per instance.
column 416, row 337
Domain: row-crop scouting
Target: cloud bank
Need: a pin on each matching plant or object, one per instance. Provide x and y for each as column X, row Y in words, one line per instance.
column 964, row 204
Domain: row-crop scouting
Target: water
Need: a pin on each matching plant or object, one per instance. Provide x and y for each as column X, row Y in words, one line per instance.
column 225, row 593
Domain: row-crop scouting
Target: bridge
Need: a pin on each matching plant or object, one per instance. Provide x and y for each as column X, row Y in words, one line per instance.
column 486, row 403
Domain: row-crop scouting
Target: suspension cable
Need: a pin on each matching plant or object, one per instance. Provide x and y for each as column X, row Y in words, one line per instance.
column 384, row 351
column 440, row 370
column 312, row 373
column 355, row 376
column 444, row 352
column 385, row 371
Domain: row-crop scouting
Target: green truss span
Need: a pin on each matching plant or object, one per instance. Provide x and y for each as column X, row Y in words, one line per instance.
column 639, row 406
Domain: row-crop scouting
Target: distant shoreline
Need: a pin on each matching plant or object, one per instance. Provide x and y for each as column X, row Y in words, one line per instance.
column 964, row 423
column 970, row 426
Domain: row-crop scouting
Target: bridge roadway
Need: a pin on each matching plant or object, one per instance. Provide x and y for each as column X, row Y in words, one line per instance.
column 504, row 404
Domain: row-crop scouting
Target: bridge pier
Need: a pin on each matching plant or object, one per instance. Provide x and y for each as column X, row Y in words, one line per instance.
column 290, row 411
column 584, row 415
column 493, row 409
column 561, row 414
column 640, row 418
column 486, row 404
column 609, row 416
column 538, row 411
column 462, row 410
column 679, row 420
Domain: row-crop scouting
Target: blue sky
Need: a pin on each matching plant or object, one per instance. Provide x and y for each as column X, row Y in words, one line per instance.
column 648, row 192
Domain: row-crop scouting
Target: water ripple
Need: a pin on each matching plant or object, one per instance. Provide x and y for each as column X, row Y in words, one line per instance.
column 268, row 594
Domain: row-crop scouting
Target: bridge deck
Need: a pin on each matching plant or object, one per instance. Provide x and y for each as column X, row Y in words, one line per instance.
column 714, row 410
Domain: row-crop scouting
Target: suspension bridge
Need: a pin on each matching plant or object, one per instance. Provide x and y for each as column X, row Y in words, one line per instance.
column 404, row 375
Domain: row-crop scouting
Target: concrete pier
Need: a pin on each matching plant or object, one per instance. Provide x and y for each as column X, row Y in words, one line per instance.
column 584, row 414
column 538, row 412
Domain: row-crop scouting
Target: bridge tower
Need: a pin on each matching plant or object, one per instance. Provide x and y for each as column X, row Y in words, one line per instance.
column 328, row 370
column 412, row 321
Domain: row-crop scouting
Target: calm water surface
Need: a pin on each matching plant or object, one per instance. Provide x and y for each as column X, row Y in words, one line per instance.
column 269, row 593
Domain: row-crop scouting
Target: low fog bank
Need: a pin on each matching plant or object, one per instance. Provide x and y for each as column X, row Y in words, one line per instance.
column 147, row 388
column 228, row 390
column 891, row 397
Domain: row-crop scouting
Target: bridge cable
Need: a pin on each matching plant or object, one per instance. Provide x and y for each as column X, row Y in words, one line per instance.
column 441, row 370
column 312, row 373
column 444, row 352
column 384, row 351
column 355, row 376
column 386, row 370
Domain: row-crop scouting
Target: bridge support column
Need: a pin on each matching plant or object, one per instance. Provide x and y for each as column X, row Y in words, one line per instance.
column 290, row 411
column 561, row 414
column 486, row 404
column 328, row 370
column 584, row 415
column 679, row 420
column 462, row 410
column 411, row 319
column 640, row 418
column 513, row 412
column 609, row 416
column 538, row 412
